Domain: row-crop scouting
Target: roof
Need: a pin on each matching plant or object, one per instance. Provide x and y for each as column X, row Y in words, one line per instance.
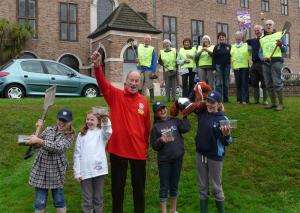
column 124, row 18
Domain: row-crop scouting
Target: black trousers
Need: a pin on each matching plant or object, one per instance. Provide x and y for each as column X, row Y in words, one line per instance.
column 256, row 75
column 119, row 167
column 188, row 83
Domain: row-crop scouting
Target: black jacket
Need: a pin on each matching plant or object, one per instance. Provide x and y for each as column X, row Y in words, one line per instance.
column 169, row 151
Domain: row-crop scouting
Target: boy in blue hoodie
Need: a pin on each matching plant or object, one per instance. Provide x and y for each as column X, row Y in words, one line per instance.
column 211, row 140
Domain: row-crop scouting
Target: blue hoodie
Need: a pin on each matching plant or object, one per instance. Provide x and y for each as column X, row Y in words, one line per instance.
column 209, row 139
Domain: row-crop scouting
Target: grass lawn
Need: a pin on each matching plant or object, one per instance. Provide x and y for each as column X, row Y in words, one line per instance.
column 261, row 171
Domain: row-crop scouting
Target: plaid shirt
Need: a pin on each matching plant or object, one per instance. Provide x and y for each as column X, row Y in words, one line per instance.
column 49, row 167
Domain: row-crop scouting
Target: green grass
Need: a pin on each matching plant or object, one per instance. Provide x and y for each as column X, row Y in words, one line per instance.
column 261, row 171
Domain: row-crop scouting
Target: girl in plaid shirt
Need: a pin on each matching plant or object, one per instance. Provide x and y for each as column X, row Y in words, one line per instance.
column 49, row 167
column 90, row 163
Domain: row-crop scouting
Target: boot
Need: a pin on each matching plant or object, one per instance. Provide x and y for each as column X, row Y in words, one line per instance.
column 265, row 96
column 220, row 206
column 29, row 152
column 256, row 95
column 61, row 210
column 151, row 91
column 204, row 206
column 273, row 100
column 280, row 100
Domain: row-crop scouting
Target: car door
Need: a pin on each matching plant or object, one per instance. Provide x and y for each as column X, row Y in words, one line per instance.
column 34, row 76
column 65, row 79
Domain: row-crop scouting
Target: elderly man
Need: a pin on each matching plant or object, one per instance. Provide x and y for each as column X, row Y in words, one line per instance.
column 167, row 59
column 256, row 73
column 273, row 63
column 130, row 118
column 147, row 63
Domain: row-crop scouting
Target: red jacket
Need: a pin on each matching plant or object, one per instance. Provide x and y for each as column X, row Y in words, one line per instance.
column 130, row 119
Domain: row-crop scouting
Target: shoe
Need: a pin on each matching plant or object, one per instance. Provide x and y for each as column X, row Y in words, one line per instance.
column 266, row 103
column 270, row 106
column 279, row 107
column 244, row 103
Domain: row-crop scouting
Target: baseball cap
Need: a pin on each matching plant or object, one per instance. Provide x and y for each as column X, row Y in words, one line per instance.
column 65, row 114
column 158, row 106
column 214, row 96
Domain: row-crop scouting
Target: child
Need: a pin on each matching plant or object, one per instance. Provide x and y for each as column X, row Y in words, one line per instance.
column 90, row 163
column 211, row 140
column 49, row 167
column 166, row 139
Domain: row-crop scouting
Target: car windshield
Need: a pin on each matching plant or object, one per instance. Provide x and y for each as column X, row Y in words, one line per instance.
column 7, row 64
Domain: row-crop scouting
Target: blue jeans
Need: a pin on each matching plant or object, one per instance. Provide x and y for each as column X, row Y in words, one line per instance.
column 41, row 195
column 241, row 80
column 222, row 80
column 169, row 174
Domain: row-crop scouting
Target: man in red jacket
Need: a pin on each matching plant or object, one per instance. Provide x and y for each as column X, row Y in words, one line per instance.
column 130, row 118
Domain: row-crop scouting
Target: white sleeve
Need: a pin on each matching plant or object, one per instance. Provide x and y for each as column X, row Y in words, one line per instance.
column 77, row 157
column 107, row 130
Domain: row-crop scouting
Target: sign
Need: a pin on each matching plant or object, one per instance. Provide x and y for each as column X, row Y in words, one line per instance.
column 244, row 20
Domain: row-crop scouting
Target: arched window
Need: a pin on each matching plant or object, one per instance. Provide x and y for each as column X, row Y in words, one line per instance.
column 70, row 61
column 27, row 55
column 129, row 55
column 104, row 9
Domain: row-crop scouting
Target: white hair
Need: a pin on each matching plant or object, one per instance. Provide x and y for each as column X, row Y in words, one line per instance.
column 206, row 36
column 270, row 21
column 239, row 33
column 258, row 27
column 167, row 41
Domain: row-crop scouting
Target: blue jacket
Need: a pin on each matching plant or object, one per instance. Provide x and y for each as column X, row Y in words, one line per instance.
column 209, row 139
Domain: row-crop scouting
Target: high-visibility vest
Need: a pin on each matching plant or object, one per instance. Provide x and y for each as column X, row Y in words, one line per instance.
column 169, row 59
column 145, row 55
column 268, row 44
column 205, row 58
column 239, row 56
column 183, row 55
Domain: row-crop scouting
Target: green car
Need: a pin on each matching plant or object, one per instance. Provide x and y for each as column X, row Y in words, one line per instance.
column 22, row 77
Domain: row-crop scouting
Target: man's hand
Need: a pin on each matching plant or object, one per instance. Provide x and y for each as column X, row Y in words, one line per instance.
column 278, row 43
column 267, row 60
column 96, row 59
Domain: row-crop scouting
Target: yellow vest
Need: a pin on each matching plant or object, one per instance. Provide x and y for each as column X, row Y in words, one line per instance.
column 145, row 55
column 205, row 58
column 169, row 59
column 268, row 44
column 183, row 55
column 239, row 56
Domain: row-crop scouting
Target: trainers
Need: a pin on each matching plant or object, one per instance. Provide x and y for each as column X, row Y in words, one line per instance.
column 266, row 103
column 279, row 107
column 244, row 103
column 269, row 106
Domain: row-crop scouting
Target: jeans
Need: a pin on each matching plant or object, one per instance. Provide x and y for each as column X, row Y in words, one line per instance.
column 169, row 174
column 241, row 80
column 119, row 167
column 41, row 196
column 188, row 83
column 222, row 80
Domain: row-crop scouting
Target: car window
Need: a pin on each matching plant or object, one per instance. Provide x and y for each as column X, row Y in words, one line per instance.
column 57, row 69
column 32, row 66
column 6, row 65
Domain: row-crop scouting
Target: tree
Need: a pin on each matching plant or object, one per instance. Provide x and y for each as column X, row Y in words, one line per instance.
column 13, row 37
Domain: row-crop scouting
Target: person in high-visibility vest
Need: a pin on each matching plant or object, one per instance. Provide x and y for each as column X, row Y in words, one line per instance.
column 273, row 63
column 240, row 64
column 167, row 59
column 203, row 59
column 187, row 64
column 147, row 63
column 221, row 63
column 256, row 73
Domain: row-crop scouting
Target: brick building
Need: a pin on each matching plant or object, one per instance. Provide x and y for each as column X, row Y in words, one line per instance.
column 63, row 26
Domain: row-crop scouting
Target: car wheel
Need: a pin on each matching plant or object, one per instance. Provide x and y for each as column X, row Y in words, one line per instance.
column 15, row 91
column 90, row 91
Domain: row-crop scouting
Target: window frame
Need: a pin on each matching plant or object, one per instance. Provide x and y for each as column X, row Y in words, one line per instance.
column 27, row 17
column 284, row 7
column 170, row 30
column 265, row 5
column 227, row 33
column 244, row 4
column 197, row 31
column 222, row 1
column 68, row 22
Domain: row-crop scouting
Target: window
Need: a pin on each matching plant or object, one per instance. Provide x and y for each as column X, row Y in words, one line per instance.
column 27, row 55
column 265, row 5
column 143, row 14
column 247, row 34
column 221, row 1
column 68, row 22
column 32, row 66
column 288, row 51
column 129, row 55
column 244, row 3
column 57, row 69
column 27, row 14
column 197, row 31
column 299, row 7
column 70, row 61
column 104, row 9
column 169, row 29
column 284, row 7
column 222, row 27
